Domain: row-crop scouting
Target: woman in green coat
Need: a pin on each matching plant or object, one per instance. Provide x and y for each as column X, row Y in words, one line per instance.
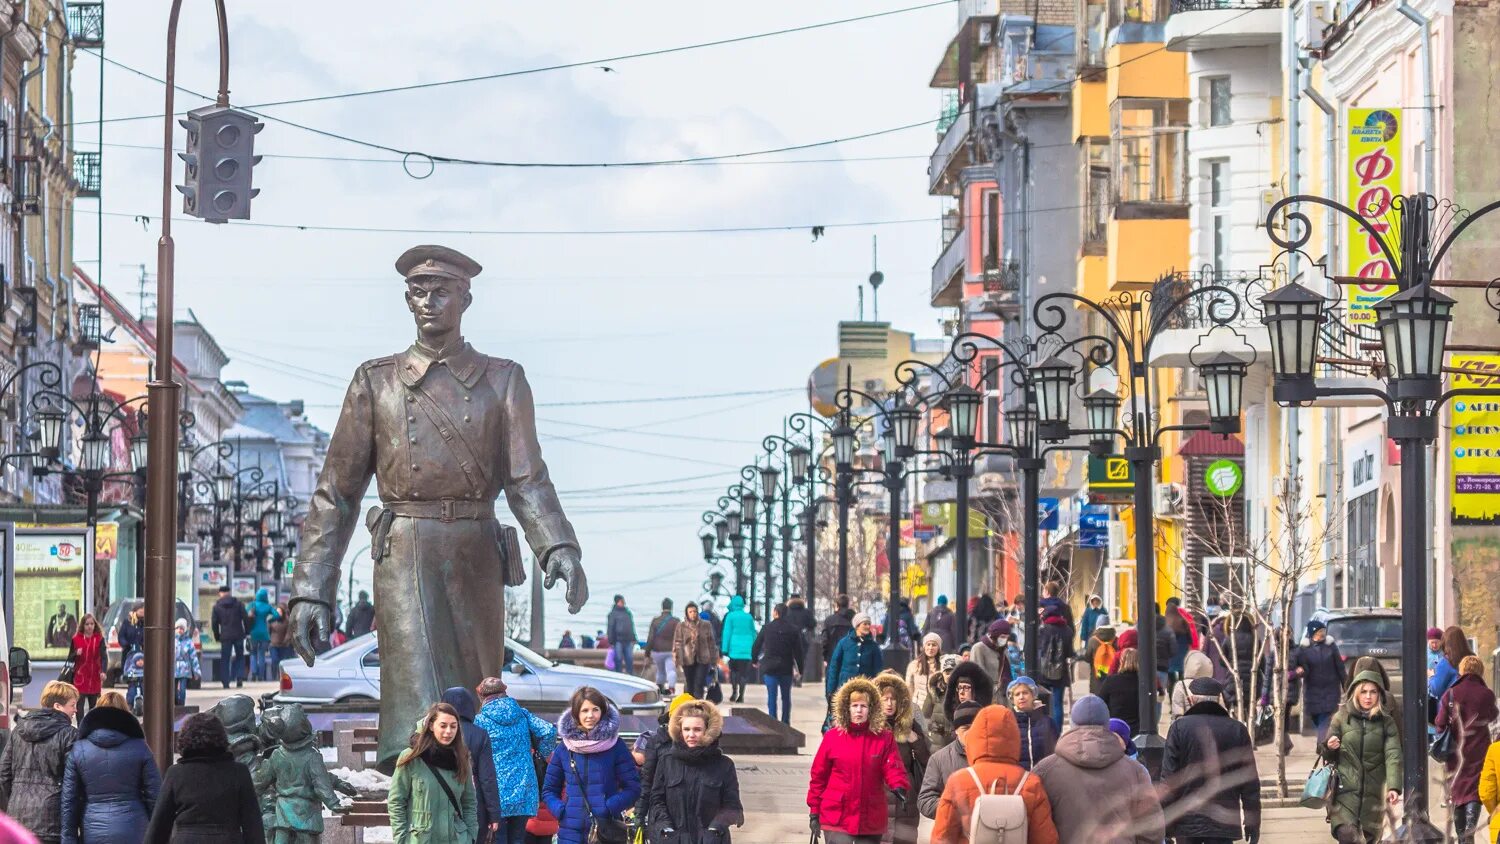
column 1364, row 745
column 422, row 810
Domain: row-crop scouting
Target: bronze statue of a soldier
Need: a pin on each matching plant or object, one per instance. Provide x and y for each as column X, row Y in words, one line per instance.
column 444, row 430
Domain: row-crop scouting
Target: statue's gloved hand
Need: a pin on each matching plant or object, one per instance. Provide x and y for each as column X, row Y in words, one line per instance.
column 563, row 564
column 310, row 622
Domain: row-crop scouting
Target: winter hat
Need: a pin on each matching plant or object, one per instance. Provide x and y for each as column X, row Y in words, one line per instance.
column 1105, row 632
column 1089, row 711
column 490, row 687
column 1434, row 632
column 932, row 637
column 1122, row 729
column 948, row 662
column 1022, row 680
column 998, row 629
column 942, row 600
column 666, row 603
column 678, row 701
column 1205, row 687
column 1314, row 626
column 860, row 618
column 965, row 714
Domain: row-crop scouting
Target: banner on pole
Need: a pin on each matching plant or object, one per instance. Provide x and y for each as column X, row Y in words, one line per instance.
column 1374, row 178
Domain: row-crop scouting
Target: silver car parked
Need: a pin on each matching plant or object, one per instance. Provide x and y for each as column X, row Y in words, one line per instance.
column 350, row 673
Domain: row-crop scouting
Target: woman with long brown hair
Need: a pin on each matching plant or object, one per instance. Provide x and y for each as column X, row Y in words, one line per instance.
column 433, row 781
column 920, row 671
column 86, row 652
column 591, row 777
column 1445, row 674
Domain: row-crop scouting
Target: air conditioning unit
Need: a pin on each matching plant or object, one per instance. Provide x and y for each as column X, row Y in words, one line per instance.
column 1170, row 500
column 1268, row 198
column 1316, row 17
column 986, row 33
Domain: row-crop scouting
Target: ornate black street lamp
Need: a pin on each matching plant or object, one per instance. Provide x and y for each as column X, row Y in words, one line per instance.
column 1134, row 321
column 898, row 448
column 1413, row 329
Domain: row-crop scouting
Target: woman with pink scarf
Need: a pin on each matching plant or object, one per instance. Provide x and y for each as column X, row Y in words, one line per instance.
column 591, row 777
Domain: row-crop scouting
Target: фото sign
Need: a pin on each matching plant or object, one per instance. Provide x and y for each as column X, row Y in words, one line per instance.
column 1374, row 178
column 1474, row 457
column 1223, row 478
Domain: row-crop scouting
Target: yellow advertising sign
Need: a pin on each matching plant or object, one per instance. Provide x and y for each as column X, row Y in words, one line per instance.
column 1374, row 178
column 106, row 541
column 1474, row 464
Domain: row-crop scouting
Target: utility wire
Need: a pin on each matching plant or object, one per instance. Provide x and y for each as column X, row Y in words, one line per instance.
column 430, row 160
column 606, row 60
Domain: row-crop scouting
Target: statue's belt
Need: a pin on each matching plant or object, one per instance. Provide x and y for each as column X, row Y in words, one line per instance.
column 444, row 510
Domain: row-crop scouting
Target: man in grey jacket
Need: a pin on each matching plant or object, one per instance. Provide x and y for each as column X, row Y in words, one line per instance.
column 946, row 762
column 1099, row 794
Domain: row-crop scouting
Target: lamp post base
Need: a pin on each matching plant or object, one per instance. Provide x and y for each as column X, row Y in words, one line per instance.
column 1150, row 749
column 895, row 658
column 1418, row 831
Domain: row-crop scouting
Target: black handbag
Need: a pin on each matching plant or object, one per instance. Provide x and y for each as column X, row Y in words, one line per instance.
column 602, row 830
column 70, row 667
column 1445, row 744
column 1265, row 725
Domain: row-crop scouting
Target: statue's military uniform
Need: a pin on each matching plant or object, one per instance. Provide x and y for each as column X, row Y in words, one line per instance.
column 443, row 437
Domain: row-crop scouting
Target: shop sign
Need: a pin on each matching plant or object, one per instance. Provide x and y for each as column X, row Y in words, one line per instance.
column 1374, row 179
column 1474, row 459
column 1223, row 478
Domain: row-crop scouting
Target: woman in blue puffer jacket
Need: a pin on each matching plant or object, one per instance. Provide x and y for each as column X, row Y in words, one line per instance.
column 514, row 733
column 592, row 773
column 110, row 782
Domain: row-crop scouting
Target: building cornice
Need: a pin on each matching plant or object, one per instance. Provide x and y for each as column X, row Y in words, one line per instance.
column 1373, row 31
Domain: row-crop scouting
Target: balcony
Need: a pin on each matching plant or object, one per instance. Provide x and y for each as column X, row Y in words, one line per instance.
column 1001, row 291
column 1197, row 25
column 1035, row 60
column 948, row 272
column 1188, row 326
column 87, row 172
column 954, row 152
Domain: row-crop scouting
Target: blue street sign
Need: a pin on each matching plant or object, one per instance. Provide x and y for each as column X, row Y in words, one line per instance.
column 1093, row 526
column 1047, row 513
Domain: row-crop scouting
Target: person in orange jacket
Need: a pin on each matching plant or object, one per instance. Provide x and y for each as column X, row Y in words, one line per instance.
column 993, row 748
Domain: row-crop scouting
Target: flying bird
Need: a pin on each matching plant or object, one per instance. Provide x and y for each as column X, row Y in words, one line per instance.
column 817, row 232
column 605, row 69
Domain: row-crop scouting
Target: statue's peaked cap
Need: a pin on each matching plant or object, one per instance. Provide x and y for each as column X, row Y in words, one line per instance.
column 439, row 261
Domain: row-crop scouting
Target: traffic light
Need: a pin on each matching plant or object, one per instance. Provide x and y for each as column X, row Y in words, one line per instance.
column 220, row 157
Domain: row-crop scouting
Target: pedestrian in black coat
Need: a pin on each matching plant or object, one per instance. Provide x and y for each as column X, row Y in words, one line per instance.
column 207, row 797
column 836, row 626
column 801, row 618
column 361, row 617
column 477, row 740
column 1208, row 768
column 230, row 623
column 1321, row 668
column 35, row 759
column 1120, row 692
column 695, row 794
column 779, row 651
column 111, row 782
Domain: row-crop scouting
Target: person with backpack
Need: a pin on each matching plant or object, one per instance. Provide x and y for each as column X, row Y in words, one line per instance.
column 994, row 791
column 946, row 762
column 1055, row 658
column 1100, row 654
column 1096, row 791
column 855, row 763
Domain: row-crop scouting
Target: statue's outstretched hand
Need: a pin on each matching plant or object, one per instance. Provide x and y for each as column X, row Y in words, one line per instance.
column 563, row 564
column 309, row 620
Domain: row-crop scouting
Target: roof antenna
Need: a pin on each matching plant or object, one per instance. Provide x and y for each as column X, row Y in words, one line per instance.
column 861, row 304
column 876, row 277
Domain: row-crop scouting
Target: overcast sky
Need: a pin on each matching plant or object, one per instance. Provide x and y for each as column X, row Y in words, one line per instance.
column 593, row 317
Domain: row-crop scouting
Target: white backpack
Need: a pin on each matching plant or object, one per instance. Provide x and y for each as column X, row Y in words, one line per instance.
column 997, row 818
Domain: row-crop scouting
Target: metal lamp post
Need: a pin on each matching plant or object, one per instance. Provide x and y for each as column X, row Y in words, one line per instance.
column 1133, row 323
column 1413, row 330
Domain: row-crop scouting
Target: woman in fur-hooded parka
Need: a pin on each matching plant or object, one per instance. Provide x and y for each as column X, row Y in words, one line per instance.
column 940, row 726
column 854, row 766
column 694, row 790
column 911, row 744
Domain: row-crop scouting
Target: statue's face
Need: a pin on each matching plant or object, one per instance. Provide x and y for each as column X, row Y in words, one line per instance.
column 438, row 304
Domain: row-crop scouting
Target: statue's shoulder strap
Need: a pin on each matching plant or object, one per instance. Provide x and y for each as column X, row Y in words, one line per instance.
column 377, row 363
column 497, row 371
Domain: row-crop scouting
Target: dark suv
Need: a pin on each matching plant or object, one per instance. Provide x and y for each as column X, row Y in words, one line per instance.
column 1367, row 631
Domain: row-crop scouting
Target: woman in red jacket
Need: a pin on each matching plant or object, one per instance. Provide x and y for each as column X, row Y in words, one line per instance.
column 855, row 763
column 87, row 653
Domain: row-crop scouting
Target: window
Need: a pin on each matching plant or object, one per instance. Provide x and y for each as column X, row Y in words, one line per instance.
column 1150, row 155
column 1216, row 176
column 991, row 399
column 1096, row 32
column 1364, row 568
column 1216, row 101
column 1096, row 191
column 991, row 220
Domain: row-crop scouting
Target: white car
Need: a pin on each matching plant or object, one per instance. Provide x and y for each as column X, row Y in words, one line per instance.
column 350, row 673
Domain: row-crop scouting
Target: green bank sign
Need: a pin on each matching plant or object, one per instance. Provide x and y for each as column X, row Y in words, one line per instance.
column 1224, row 478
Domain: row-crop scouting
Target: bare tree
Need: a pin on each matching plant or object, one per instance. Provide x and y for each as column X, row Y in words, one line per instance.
column 517, row 615
column 1261, row 590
